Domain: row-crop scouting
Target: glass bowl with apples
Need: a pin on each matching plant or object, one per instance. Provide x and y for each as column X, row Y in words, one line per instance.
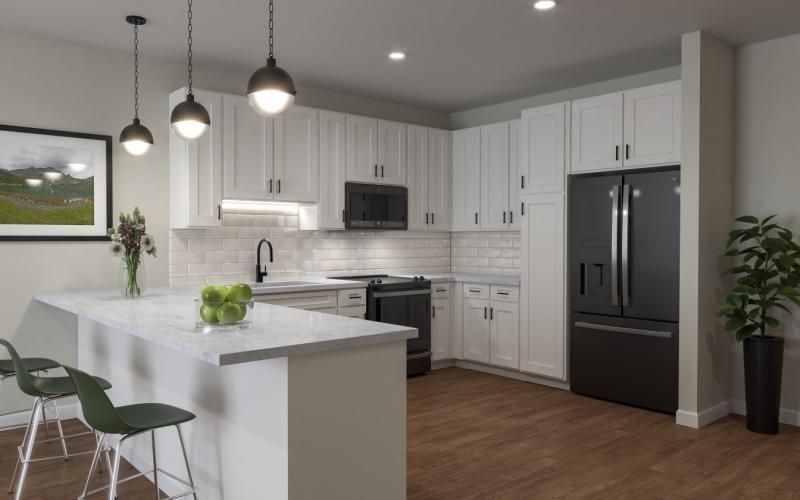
column 222, row 307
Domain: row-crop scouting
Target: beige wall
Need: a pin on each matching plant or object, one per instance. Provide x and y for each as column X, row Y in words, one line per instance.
column 53, row 84
column 767, row 168
column 706, row 213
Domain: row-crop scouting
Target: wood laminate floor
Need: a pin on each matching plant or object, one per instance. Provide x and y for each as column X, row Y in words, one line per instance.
column 477, row 436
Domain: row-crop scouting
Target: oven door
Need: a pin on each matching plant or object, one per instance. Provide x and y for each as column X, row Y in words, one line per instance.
column 407, row 308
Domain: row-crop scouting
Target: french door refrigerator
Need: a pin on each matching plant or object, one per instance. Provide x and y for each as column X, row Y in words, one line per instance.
column 624, row 262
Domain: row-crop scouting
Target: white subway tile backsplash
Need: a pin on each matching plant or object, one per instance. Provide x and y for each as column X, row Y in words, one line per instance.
column 228, row 253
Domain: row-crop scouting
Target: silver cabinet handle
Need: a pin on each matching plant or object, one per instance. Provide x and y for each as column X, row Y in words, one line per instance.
column 628, row 331
column 626, row 221
column 614, row 231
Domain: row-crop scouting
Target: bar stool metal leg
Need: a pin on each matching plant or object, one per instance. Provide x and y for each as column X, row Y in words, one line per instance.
column 26, row 459
column 186, row 460
column 24, row 440
column 60, row 431
column 112, row 487
column 95, row 461
column 155, row 463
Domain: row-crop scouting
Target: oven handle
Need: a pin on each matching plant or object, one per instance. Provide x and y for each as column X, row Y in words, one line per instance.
column 380, row 295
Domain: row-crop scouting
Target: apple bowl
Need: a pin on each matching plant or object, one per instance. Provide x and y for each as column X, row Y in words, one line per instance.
column 225, row 316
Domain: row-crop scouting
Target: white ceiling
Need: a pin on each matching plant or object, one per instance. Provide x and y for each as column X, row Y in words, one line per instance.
column 461, row 53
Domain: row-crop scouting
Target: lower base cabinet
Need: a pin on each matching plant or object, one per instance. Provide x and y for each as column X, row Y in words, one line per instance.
column 349, row 303
column 491, row 325
column 440, row 329
column 504, row 347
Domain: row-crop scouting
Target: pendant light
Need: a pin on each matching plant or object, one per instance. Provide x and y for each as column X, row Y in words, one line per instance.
column 190, row 119
column 271, row 89
column 135, row 138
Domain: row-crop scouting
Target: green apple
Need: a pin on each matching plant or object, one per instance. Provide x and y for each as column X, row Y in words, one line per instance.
column 229, row 313
column 209, row 314
column 212, row 296
column 240, row 293
column 224, row 290
column 243, row 309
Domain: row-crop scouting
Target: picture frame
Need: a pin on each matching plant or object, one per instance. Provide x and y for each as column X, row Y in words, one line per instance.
column 54, row 185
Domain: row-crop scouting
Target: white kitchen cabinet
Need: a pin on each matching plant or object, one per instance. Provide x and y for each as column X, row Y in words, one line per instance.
column 356, row 312
column 297, row 155
column 543, row 149
column 457, row 337
column 504, row 348
column 513, row 175
column 439, row 178
column 542, row 321
column 248, row 171
column 332, row 169
column 195, row 168
column 362, row 149
column 391, row 152
column 418, row 178
column 440, row 328
column 477, row 326
column 597, row 133
column 466, row 179
column 494, row 176
column 652, row 130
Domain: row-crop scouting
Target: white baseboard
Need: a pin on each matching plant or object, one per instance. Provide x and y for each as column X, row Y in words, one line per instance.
column 501, row 372
column 705, row 417
column 787, row 416
column 66, row 410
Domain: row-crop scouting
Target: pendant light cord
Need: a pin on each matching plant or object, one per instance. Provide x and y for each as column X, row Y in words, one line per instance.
column 136, row 71
column 190, row 48
column 270, row 38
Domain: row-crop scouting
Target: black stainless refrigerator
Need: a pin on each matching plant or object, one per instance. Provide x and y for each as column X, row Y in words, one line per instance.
column 624, row 260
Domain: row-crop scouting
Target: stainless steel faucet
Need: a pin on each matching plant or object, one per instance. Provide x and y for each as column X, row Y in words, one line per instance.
column 259, row 273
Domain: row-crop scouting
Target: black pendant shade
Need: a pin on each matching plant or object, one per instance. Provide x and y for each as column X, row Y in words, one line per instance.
column 136, row 132
column 271, row 77
column 190, row 111
column 190, row 119
column 271, row 89
column 136, row 138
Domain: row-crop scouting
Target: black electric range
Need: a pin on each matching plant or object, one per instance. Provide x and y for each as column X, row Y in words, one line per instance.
column 402, row 301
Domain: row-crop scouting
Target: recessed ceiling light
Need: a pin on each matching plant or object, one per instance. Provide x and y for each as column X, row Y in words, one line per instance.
column 544, row 4
column 397, row 55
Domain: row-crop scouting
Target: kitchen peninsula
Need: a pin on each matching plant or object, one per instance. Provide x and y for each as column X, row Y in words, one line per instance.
column 300, row 405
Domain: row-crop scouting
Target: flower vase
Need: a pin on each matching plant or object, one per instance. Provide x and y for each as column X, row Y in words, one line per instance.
column 132, row 279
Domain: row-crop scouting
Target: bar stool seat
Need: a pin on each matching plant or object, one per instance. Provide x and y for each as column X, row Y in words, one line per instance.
column 149, row 416
column 62, row 386
column 31, row 364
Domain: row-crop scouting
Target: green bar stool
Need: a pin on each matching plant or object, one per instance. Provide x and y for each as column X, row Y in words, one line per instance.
column 45, row 390
column 32, row 365
column 128, row 421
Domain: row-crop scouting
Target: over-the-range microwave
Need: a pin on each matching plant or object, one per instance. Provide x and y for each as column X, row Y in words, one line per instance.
column 375, row 206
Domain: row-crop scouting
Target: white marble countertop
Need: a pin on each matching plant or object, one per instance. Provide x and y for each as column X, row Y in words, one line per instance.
column 166, row 317
column 303, row 284
column 489, row 279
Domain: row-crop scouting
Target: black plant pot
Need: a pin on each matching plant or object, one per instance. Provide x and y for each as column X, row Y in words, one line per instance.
column 763, row 369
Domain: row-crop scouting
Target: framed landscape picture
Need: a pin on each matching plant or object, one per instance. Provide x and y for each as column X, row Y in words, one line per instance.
column 54, row 185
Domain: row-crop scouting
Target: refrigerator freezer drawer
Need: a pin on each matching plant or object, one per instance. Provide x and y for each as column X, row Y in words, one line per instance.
column 628, row 361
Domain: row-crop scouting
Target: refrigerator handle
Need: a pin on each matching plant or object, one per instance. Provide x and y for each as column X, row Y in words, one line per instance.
column 614, row 250
column 626, row 228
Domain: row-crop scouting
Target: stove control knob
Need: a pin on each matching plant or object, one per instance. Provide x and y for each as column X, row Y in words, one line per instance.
column 421, row 278
column 372, row 282
column 380, row 281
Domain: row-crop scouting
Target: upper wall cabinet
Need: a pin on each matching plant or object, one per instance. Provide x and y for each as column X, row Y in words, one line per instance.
column 429, row 178
column 597, row 133
column 332, row 169
column 635, row 128
column 376, row 150
column 514, row 205
column 195, row 169
column 653, row 125
column 248, row 151
column 494, row 176
column 543, row 149
column 297, row 155
column 466, row 179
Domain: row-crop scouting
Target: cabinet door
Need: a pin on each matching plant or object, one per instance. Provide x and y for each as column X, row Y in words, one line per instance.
column 597, row 133
column 439, row 179
column 418, row 157
column 392, row 152
column 297, row 155
column 204, row 167
column 466, row 179
column 653, row 125
column 505, row 334
column 362, row 149
column 513, row 175
column 543, row 149
column 476, row 326
column 494, row 176
column 248, row 151
column 332, row 169
column 440, row 329
column 542, row 330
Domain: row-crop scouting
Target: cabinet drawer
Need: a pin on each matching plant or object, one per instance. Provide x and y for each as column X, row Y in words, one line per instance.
column 473, row 291
column 311, row 301
column 505, row 293
column 440, row 290
column 353, row 297
column 358, row 312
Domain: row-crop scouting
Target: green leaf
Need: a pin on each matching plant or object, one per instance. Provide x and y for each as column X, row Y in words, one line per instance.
column 767, row 219
column 745, row 331
column 748, row 219
column 772, row 322
column 735, row 324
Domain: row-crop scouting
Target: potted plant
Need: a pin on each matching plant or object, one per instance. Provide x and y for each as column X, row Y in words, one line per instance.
column 767, row 279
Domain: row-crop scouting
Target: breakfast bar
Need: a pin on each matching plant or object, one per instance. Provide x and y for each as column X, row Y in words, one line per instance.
column 298, row 405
